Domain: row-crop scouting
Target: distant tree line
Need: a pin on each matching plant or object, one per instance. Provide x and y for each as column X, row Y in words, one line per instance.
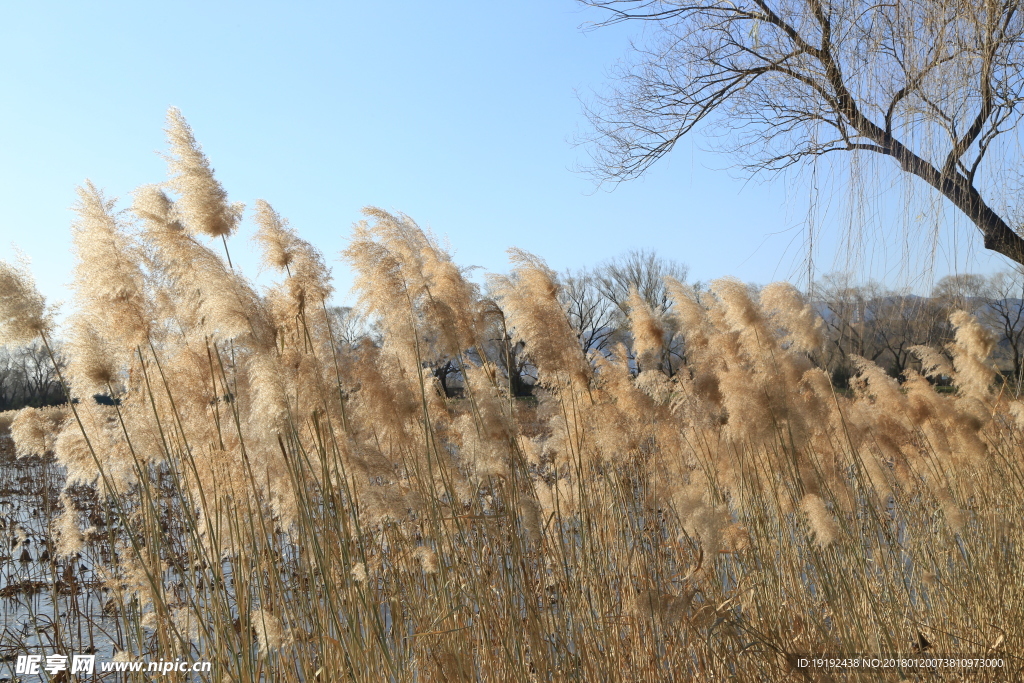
column 869, row 320
column 882, row 324
column 28, row 378
column 596, row 307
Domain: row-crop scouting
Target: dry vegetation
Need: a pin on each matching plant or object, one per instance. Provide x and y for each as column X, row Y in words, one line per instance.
column 296, row 509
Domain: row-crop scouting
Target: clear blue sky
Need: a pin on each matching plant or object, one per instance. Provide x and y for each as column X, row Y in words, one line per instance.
column 460, row 114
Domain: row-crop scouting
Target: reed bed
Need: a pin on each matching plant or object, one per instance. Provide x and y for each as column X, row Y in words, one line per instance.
column 291, row 508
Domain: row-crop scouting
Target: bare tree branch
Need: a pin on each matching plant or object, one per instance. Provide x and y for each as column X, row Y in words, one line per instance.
column 931, row 84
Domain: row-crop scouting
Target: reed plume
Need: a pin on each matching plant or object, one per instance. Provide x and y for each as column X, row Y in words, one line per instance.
column 203, row 204
column 254, row 488
column 530, row 298
column 23, row 312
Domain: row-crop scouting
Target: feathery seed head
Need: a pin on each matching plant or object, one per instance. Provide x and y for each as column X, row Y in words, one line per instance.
column 70, row 539
column 820, row 519
column 971, row 350
column 23, row 312
column 203, row 203
column 933, row 363
column 270, row 632
column 427, row 559
column 805, row 329
column 530, row 299
column 152, row 204
column 648, row 330
column 94, row 363
column 274, row 236
column 108, row 278
column 34, row 430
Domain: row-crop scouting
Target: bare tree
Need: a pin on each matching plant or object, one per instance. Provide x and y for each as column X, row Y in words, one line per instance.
column 447, row 372
column 899, row 322
column 28, row 377
column 876, row 323
column 1005, row 315
column 843, row 307
column 932, row 84
column 644, row 271
column 998, row 303
column 591, row 315
column 510, row 357
column 966, row 292
column 350, row 327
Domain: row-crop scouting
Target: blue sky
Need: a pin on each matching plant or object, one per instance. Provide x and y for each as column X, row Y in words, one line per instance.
column 460, row 114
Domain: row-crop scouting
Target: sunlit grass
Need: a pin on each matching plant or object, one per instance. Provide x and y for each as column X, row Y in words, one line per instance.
column 255, row 494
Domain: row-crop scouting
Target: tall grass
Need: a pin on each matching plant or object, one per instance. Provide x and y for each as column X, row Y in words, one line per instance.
column 295, row 509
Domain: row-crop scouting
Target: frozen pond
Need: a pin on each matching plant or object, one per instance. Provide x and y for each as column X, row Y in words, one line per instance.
column 47, row 606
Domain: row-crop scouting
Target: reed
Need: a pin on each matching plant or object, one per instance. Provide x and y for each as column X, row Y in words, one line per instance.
column 294, row 509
